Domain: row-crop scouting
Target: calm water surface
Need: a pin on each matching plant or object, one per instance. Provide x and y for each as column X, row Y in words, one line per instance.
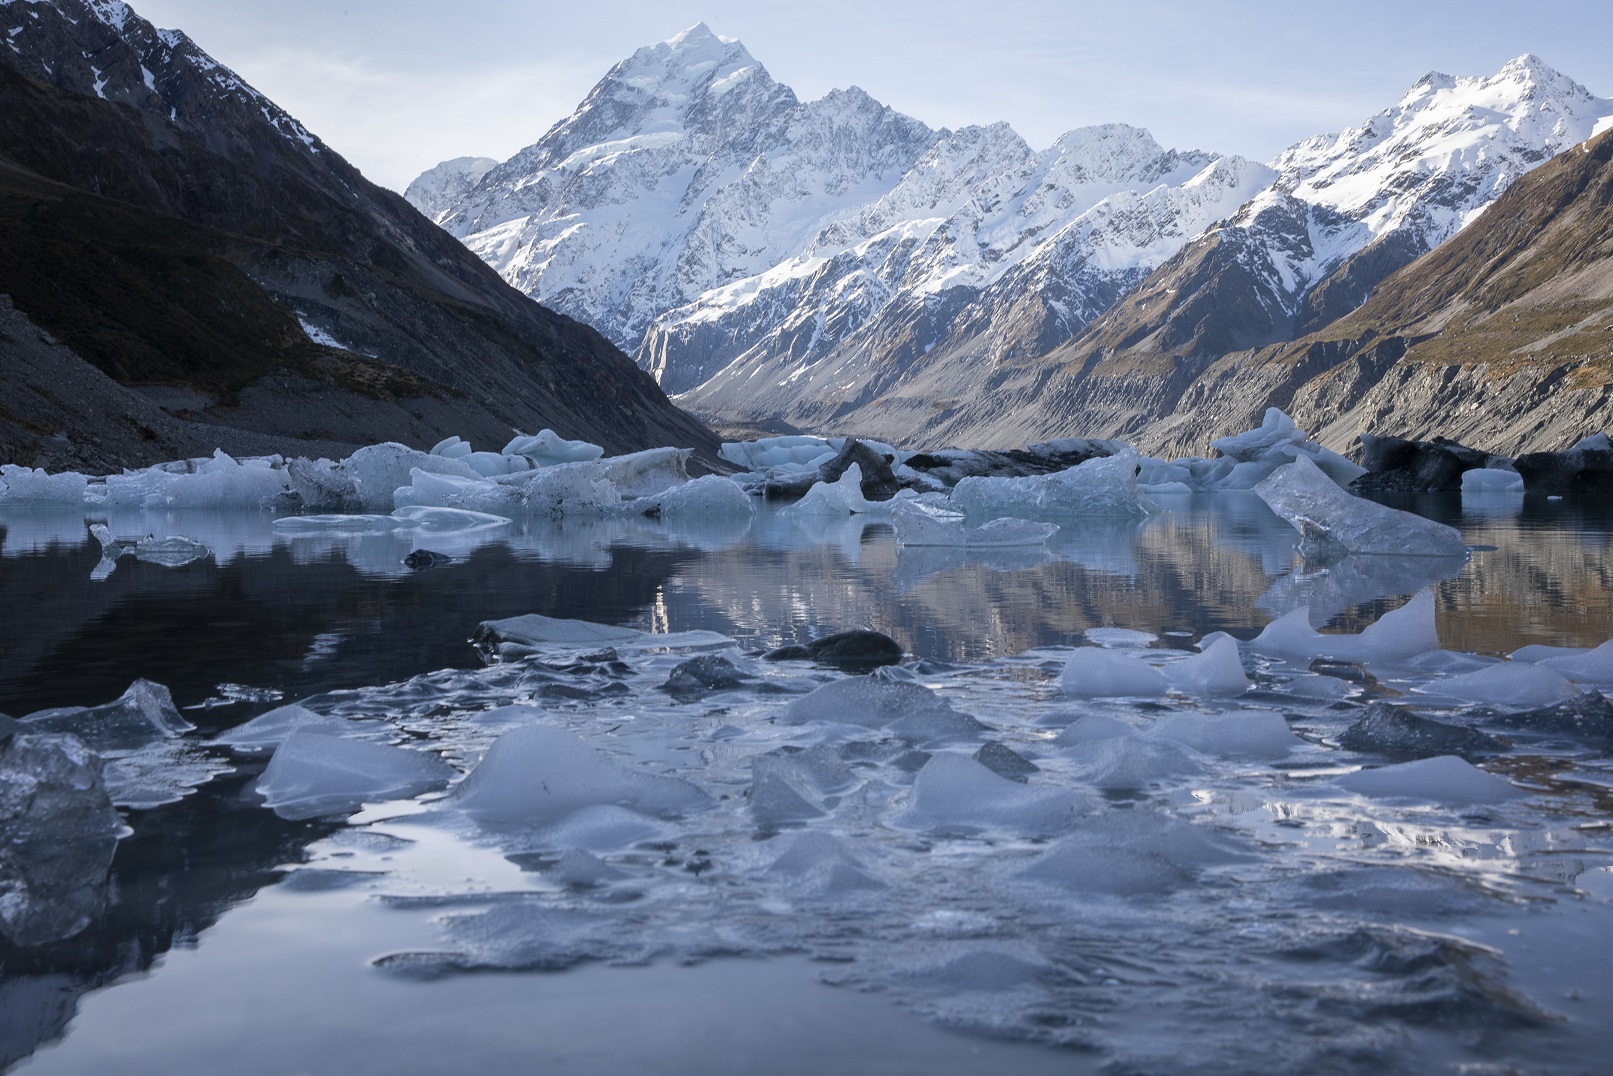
column 235, row 940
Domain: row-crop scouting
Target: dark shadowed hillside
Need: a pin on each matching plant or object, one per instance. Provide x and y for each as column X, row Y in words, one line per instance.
column 178, row 232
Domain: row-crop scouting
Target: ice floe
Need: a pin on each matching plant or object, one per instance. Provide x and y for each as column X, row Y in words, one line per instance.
column 1329, row 518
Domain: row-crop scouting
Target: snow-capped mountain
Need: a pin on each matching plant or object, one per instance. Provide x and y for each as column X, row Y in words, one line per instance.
column 438, row 189
column 1348, row 209
column 697, row 212
column 810, row 263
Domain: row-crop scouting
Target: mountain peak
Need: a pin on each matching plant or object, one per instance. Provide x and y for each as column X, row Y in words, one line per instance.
column 691, row 50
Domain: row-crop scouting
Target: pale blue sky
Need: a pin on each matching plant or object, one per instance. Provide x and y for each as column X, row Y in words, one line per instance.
column 397, row 85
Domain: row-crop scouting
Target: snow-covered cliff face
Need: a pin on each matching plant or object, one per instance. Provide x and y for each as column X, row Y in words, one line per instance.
column 698, row 213
column 436, row 191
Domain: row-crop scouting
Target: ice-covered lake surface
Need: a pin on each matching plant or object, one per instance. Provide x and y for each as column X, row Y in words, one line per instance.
column 973, row 860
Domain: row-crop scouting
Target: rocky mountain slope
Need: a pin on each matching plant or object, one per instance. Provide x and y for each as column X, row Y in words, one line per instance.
column 698, row 213
column 178, row 232
column 1501, row 338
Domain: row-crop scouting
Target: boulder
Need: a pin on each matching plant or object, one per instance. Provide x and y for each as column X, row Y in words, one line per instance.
column 1587, row 719
column 858, row 650
column 1395, row 463
column 1401, row 735
column 1585, row 468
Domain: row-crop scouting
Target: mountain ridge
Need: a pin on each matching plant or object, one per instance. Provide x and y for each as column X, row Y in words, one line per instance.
column 374, row 325
column 894, row 317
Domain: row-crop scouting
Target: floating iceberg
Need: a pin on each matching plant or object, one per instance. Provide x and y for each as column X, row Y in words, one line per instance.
column 1217, row 670
column 1512, row 684
column 1106, row 486
column 1491, row 480
column 818, row 864
column 1123, row 761
column 1093, row 672
column 378, row 471
column 1328, row 518
column 269, row 730
column 1398, row 635
column 312, row 774
column 57, row 835
column 842, row 497
column 1242, row 733
column 1274, row 444
column 796, row 453
column 547, row 448
column 919, row 525
column 957, row 795
column 1129, row 854
column 708, row 497
column 25, row 485
column 791, row 785
column 1443, row 779
column 1588, row 667
column 537, row 775
column 142, row 715
column 884, row 699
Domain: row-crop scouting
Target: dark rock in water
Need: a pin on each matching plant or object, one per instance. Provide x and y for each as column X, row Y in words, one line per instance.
column 421, row 559
column 708, row 672
column 1585, row 468
column 1588, row 718
column 1395, row 463
column 1006, row 762
column 791, row 486
column 858, row 650
column 1400, row 734
column 878, row 480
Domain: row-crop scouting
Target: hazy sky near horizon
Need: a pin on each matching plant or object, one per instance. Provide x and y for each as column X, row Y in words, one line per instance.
column 397, row 85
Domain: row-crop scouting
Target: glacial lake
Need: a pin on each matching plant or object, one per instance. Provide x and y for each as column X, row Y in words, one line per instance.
column 836, row 900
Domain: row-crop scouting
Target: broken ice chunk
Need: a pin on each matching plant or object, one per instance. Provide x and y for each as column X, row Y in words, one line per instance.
column 1126, row 762
column 142, row 715
column 789, row 785
column 538, row 775
column 1106, row 486
column 1491, row 480
column 174, row 551
column 1512, row 684
column 1092, row 672
column 547, row 448
column 1398, row 635
column 819, row 864
column 1588, row 666
column 1329, row 518
column 1218, row 670
column 1131, row 853
column 1444, row 779
column 919, row 525
column 57, row 835
column 707, row 497
column 312, row 774
column 1242, row 733
column 954, row 794
column 379, row 470
column 269, row 730
column 885, row 699
column 24, row 485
